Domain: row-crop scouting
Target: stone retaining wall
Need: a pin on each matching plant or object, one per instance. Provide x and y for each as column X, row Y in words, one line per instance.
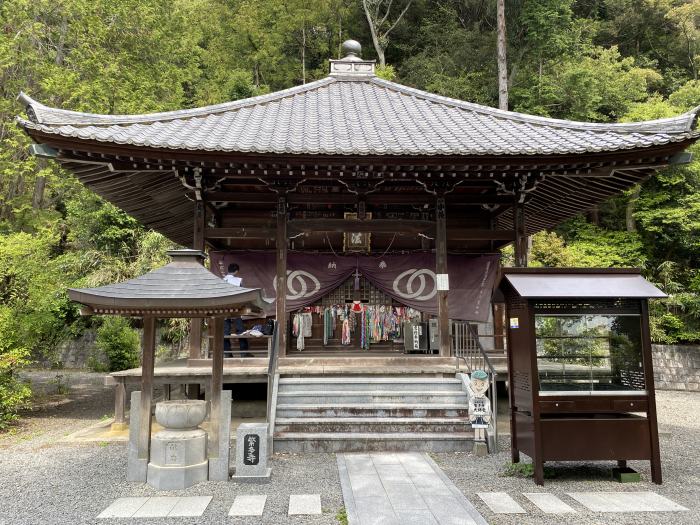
column 676, row 367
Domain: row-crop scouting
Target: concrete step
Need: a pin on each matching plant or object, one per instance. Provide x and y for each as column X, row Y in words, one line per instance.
column 371, row 397
column 414, row 410
column 364, row 384
column 358, row 442
column 372, row 425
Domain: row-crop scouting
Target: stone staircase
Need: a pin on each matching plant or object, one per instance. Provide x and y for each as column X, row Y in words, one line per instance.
column 353, row 414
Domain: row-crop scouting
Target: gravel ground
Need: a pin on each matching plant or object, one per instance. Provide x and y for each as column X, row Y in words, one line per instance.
column 679, row 428
column 43, row 481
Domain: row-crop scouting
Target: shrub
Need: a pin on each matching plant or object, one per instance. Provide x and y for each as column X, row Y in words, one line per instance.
column 120, row 343
column 14, row 393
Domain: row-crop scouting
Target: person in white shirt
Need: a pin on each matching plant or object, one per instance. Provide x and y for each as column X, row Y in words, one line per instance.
column 232, row 278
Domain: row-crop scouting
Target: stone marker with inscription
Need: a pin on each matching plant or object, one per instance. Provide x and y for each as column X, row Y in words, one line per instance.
column 251, row 453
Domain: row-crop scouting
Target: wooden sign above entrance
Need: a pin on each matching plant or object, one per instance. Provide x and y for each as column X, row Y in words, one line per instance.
column 354, row 242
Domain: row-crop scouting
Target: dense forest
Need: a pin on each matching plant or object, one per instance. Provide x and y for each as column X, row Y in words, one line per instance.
column 591, row 60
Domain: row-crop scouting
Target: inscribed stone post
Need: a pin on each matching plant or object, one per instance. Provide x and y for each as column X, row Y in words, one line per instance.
column 251, row 453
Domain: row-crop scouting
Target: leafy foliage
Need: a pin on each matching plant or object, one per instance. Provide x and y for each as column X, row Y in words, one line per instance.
column 120, row 343
column 598, row 60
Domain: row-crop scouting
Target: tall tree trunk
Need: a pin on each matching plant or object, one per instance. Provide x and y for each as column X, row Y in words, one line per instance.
column 303, row 54
column 502, row 62
column 629, row 215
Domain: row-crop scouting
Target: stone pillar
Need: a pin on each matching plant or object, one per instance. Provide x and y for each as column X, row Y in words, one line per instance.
column 220, row 457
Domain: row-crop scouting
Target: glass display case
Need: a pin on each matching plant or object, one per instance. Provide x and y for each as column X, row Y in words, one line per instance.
column 580, row 375
column 579, row 354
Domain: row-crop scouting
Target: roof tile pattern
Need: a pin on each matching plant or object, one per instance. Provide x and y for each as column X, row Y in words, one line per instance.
column 183, row 283
column 357, row 116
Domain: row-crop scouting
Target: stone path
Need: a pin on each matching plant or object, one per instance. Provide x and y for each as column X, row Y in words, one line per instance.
column 503, row 503
column 401, row 489
column 173, row 506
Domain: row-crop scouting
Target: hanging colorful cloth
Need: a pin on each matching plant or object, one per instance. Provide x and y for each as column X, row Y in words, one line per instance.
column 345, row 338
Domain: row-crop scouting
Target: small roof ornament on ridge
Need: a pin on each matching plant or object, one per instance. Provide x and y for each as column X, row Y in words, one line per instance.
column 352, row 65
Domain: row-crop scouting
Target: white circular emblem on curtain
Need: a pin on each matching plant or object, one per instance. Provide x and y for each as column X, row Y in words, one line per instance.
column 411, row 284
column 300, row 284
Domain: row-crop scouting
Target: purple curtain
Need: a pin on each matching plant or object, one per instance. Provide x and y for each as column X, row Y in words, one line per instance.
column 409, row 279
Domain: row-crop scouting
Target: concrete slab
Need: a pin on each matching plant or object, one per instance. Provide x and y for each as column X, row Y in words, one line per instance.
column 448, row 510
column 548, row 503
column 122, row 508
column 501, row 503
column 366, row 485
column 625, row 502
column 375, row 510
column 416, row 517
column 392, row 473
column 248, row 505
column 156, row 507
column 304, row 504
column 404, row 496
column 401, row 488
column 190, row 506
column 385, row 459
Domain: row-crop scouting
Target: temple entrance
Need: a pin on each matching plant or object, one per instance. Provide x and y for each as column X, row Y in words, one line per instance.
column 355, row 318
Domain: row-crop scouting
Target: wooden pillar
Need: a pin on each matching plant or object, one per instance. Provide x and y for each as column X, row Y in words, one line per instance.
column 651, row 393
column 441, row 268
column 520, row 245
column 281, row 277
column 217, row 384
column 195, row 350
column 149, row 347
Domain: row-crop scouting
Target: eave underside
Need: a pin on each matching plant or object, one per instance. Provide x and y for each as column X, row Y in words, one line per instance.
column 160, row 188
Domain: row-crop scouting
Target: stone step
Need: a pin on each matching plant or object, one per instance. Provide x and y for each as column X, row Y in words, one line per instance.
column 296, row 384
column 429, row 410
column 313, row 442
column 371, row 425
column 371, row 397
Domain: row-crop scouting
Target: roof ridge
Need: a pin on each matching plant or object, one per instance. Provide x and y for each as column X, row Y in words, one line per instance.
column 39, row 112
column 685, row 122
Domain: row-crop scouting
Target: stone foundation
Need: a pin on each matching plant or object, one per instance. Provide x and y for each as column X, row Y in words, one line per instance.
column 676, row 367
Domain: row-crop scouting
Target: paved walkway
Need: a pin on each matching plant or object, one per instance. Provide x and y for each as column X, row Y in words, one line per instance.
column 401, row 489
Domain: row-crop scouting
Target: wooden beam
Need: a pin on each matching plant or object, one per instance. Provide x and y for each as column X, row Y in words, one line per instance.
column 475, row 234
column 245, row 232
column 147, row 361
column 281, row 275
column 374, row 199
column 372, row 226
column 441, row 268
column 351, row 225
column 216, row 385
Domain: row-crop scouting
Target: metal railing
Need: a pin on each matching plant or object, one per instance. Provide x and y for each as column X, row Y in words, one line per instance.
column 467, row 347
column 271, row 381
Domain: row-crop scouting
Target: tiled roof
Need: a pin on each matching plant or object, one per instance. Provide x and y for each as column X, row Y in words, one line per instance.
column 183, row 283
column 357, row 115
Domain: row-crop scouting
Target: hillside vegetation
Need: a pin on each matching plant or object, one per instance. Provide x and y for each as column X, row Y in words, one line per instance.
column 592, row 60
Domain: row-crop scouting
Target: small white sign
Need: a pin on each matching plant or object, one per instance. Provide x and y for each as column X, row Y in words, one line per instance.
column 514, row 322
column 443, row 282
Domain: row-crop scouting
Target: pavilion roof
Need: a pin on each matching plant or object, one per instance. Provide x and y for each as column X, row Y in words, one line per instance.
column 356, row 114
column 182, row 288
